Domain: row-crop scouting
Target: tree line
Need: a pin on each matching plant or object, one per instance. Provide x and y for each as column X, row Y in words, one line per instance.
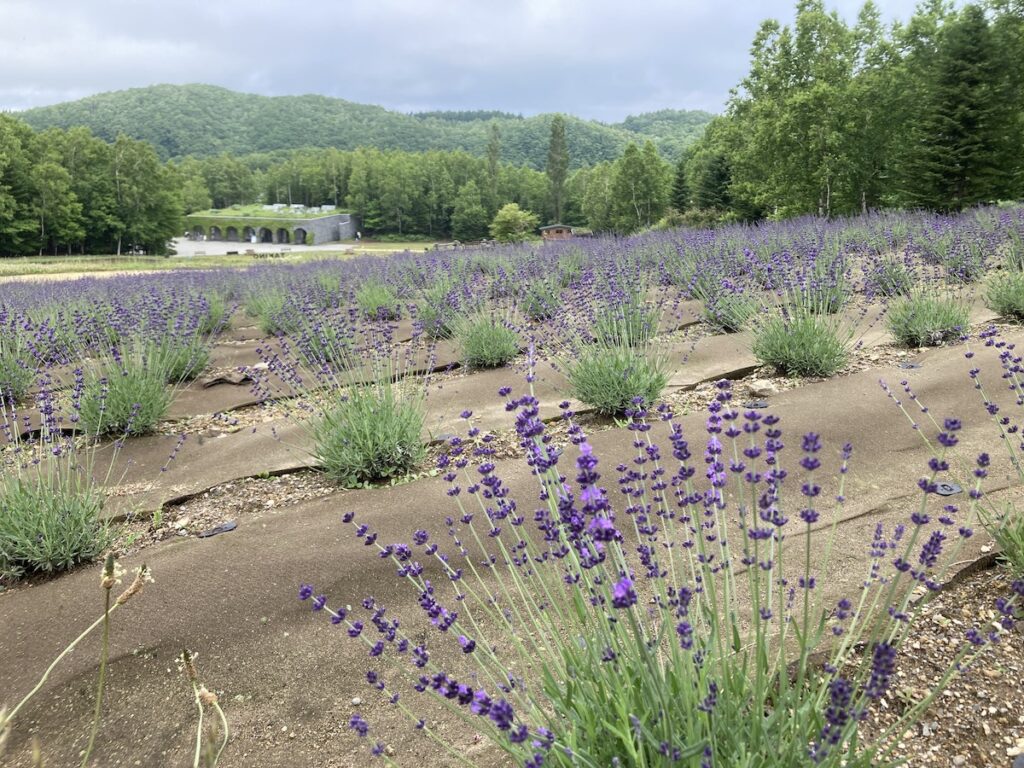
column 68, row 191
column 834, row 118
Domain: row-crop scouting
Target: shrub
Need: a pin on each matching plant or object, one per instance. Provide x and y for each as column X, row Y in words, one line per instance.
column 540, row 301
column 325, row 344
column 124, row 396
column 181, row 359
column 273, row 311
column 570, row 267
column 437, row 311
column 628, row 322
column 891, row 277
column 486, row 341
column 378, row 301
column 613, row 379
column 577, row 647
column 370, row 434
column 51, row 521
column 965, row 261
column 17, row 372
column 1008, row 532
column 1005, row 295
column 926, row 319
column 801, row 344
column 213, row 317
column 730, row 311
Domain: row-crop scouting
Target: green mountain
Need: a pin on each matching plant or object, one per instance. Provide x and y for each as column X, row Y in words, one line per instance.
column 206, row 120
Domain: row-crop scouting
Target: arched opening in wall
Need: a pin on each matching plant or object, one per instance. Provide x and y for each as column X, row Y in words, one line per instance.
column 300, row 236
column 198, row 233
column 282, row 236
column 249, row 235
column 231, row 234
column 266, row 236
column 215, row 233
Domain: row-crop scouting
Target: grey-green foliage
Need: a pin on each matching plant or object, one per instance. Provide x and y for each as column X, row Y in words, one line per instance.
column 181, row 359
column 127, row 395
column 1005, row 295
column 486, row 341
column 372, row 433
column 801, row 344
column 541, row 300
column 629, row 321
column 378, row 301
column 437, row 310
column 50, row 522
column 17, row 369
column 927, row 319
column 729, row 312
column 610, row 378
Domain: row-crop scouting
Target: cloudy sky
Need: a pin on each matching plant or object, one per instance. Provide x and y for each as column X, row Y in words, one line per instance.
column 593, row 58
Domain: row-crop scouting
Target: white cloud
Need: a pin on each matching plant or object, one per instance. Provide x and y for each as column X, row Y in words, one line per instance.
column 594, row 58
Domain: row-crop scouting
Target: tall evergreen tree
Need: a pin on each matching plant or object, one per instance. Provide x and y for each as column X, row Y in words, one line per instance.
column 557, row 168
column 681, row 186
column 955, row 161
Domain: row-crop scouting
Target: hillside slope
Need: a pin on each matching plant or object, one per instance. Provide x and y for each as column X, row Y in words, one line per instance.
column 206, row 120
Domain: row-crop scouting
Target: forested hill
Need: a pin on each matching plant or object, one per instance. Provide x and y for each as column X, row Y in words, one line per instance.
column 205, row 120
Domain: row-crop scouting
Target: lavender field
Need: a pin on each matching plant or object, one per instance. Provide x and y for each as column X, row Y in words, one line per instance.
column 690, row 497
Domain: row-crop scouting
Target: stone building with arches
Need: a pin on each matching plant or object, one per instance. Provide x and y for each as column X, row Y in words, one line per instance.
column 280, row 225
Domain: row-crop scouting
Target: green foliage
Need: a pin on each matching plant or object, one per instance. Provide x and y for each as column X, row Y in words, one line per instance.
column 541, row 300
column 469, row 217
column 371, row 433
column 1005, row 295
column 51, row 521
column 801, row 344
column 512, row 224
column 486, row 340
column 17, row 369
column 1008, row 531
column 629, row 322
column 609, row 379
column 838, row 118
column 378, row 301
column 926, row 319
column 126, row 396
column 205, row 120
column 557, row 167
column 216, row 312
column 437, row 312
column 570, row 267
column 272, row 309
column 640, row 188
column 181, row 359
column 729, row 312
column 324, row 344
column 891, row 277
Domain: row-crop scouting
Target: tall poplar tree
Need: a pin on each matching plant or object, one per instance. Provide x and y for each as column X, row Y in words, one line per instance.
column 557, row 169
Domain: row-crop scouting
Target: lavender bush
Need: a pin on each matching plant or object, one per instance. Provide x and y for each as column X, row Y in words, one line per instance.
column 685, row 628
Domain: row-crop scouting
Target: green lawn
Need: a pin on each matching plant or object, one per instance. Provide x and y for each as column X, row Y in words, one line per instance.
column 56, row 265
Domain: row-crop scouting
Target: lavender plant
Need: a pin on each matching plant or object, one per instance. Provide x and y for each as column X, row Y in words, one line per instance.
column 127, row 393
column 1005, row 295
column 17, row 366
column 686, row 628
column 614, row 380
column 927, row 319
column 378, row 300
column 800, row 343
column 368, row 434
column 486, row 340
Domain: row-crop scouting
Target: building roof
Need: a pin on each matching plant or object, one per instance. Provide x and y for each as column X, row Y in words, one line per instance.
column 556, row 226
